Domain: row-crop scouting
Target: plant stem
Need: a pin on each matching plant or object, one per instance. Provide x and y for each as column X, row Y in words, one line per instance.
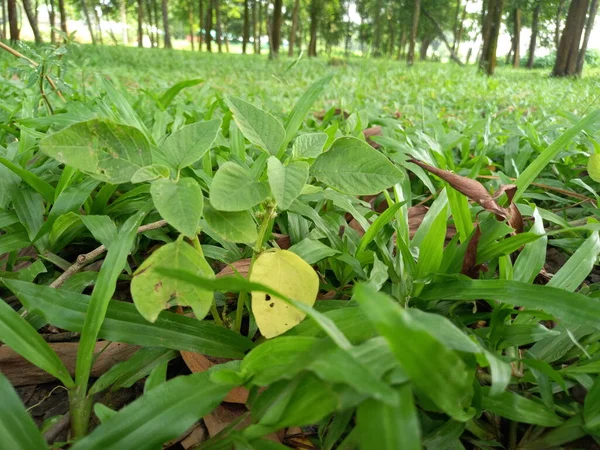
column 264, row 231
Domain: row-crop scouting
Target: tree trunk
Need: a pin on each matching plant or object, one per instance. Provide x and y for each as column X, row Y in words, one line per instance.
column 392, row 37
column 557, row 20
column 191, row 23
column 209, row 23
column 402, row 45
column 493, row 20
column 535, row 28
column 517, row 37
column 469, row 53
column 260, row 24
column 276, row 29
column 29, row 11
column 155, row 20
column 165, row 17
column 456, row 24
column 246, row 27
column 4, row 19
column 124, row 33
column 410, row 59
column 140, row 23
column 86, row 14
column 151, row 24
column 254, row 24
column 13, row 21
column 218, row 25
column 378, row 31
column 586, row 37
column 98, row 25
column 568, row 49
column 52, row 17
column 461, row 27
column 293, row 28
column 453, row 56
column 425, row 42
column 200, row 23
column 315, row 8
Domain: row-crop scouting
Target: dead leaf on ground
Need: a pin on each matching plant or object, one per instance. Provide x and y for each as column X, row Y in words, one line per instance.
column 370, row 132
column 242, row 267
column 225, row 415
column 470, row 266
column 338, row 112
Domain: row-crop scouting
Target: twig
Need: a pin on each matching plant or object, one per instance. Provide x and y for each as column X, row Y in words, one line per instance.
column 13, row 52
column 84, row 260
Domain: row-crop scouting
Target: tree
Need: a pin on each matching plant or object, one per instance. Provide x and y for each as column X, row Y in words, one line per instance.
column 123, row 11
column 200, row 23
column 52, row 16
column 315, row 9
column 516, row 36
column 557, row 21
column 568, row 49
column 165, row 16
column 586, row 37
column 535, row 29
column 293, row 28
column 209, row 22
column 88, row 21
column 275, row 38
column 191, row 22
column 217, row 8
column 410, row 59
column 255, row 31
column 490, row 32
column 31, row 17
column 246, row 30
column 13, row 21
column 378, row 27
column 140, row 23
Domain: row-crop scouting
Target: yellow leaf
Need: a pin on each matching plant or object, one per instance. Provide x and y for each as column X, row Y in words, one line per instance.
column 287, row 273
column 593, row 167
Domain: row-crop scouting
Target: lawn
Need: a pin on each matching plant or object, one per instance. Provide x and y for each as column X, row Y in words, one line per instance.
column 305, row 253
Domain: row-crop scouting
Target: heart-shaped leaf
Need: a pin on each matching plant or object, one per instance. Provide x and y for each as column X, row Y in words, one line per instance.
column 290, row 275
column 286, row 181
column 188, row 144
column 234, row 189
column 232, row 226
column 179, row 203
column 153, row 292
column 150, row 173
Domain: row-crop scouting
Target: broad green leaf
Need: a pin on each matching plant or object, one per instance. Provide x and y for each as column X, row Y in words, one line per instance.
column 19, row 335
column 517, row 335
column 188, row 144
column 354, row 167
column 286, row 181
column 459, row 206
column 593, row 167
column 302, row 108
column 123, row 323
column 386, row 427
column 536, row 167
column 287, row 273
column 371, row 233
column 166, row 99
column 432, row 247
column 533, row 256
column 433, row 368
column 102, row 228
column 113, row 265
column 105, row 150
column 258, row 126
column 238, row 226
column 158, row 416
column 157, row 376
column 152, row 292
column 572, row 308
column 571, row 430
column 312, row 251
column 234, row 189
column 309, row 146
column 179, row 203
column 13, row 240
column 150, row 173
column 518, row 408
column 505, row 246
column 29, row 206
column 17, row 428
column 591, row 408
column 125, row 373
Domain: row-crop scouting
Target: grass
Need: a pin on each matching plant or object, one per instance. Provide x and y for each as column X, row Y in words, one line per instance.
column 434, row 285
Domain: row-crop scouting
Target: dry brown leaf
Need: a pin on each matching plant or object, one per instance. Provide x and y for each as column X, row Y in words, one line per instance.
column 242, row 267
column 226, row 414
column 282, row 241
column 470, row 266
column 338, row 112
column 370, row 132
column 196, row 437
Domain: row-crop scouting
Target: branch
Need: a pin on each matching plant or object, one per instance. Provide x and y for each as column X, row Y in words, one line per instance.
column 453, row 55
column 85, row 259
column 13, row 52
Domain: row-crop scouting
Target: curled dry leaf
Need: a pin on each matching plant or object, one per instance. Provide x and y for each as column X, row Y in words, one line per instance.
column 338, row 112
column 370, row 132
column 470, row 266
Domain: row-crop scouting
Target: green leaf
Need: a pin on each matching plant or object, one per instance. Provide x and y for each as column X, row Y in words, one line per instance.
column 302, row 108
column 572, row 308
column 123, row 323
column 152, row 292
column 434, row 369
column 234, row 189
column 103, row 412
column 102, row 228
column 179, row 203
column 371, row 233
column 14, row 240
column 309, row 146
column 125, row 373
column 232, row 226
column 312, row 251
column 166, row 99
column 591, row 408
column 354, row 167
column 593, row 167
column 158, row 416
column 533, row 256
column 39, row 185
column 286, row 181
column 150, row 173
column 17, row 428
column 386, row 427
column 105, row 150
column 535, row 168
column 578, row 267
column 19, row 335
column 188, row 144
column 518, row 408
column 157, row 376
column 432, row 247
column 258, row 126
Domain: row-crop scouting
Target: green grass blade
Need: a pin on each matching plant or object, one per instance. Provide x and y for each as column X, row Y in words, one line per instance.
column 40, row 186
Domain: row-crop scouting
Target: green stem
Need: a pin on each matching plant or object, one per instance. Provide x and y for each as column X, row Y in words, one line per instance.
column 264, row 232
